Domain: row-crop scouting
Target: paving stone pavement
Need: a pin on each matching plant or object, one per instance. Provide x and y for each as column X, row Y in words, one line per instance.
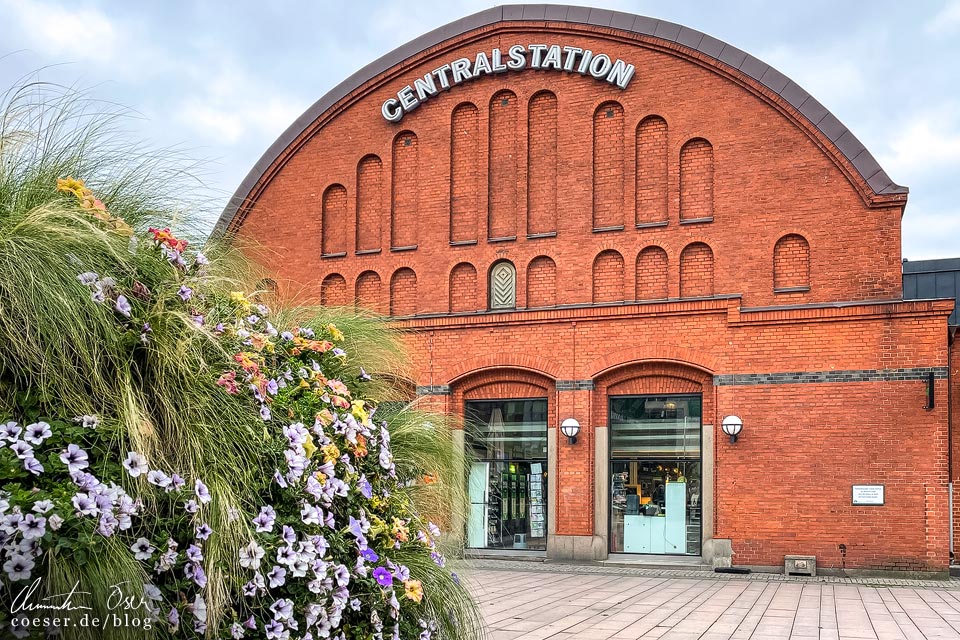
column 536, row 601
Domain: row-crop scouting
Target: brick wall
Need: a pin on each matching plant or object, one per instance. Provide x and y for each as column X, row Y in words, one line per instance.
column 548, row 161
column 761, row 191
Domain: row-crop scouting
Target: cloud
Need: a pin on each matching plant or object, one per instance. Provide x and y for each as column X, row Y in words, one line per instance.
column 925, row 146
column 57, row 31
column 832, row 76
column 947, row 21
column 233, row 106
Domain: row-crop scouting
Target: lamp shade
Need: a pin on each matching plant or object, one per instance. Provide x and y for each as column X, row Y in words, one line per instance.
column 570, row 428
column 732, row 425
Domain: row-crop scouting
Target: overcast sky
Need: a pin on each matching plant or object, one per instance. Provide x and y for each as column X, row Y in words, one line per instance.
column 224, row 79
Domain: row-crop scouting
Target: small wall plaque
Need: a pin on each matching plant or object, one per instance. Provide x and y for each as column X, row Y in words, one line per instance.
column 868, row 494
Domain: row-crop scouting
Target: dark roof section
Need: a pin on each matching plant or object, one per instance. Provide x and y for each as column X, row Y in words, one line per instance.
column 810, row 107
column 927, row 279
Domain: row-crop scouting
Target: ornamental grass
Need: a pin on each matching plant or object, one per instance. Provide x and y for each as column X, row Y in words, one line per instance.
column 173, row 449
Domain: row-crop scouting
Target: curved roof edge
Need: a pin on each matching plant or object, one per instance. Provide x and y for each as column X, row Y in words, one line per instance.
column 808, row 106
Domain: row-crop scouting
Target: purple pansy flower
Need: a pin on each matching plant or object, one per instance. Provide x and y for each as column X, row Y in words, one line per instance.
column 185, row 292
column 383, row 577
column 123, row 305
column 75, row 458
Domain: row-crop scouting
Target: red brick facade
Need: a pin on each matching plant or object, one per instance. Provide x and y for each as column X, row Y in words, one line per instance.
column 692, row 233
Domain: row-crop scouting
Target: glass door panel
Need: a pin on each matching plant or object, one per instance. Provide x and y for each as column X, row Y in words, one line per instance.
column 508, row 479
column 655, row 474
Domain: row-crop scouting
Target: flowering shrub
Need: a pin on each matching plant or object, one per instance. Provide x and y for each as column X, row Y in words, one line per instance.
column 317, row 536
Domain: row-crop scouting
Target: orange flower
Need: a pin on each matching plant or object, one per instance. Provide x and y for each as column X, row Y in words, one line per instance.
column 163, row 236
column 413, row 590
column 429, row 479
column 361, row 449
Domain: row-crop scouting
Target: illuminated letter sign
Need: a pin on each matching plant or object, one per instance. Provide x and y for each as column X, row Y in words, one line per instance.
column 583, row 62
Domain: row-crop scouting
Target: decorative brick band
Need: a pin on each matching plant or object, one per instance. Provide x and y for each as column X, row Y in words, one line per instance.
column 434, row 390
column 853, row 375
column 575, row 385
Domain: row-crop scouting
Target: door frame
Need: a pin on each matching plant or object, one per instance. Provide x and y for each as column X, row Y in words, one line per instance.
column 706, row 499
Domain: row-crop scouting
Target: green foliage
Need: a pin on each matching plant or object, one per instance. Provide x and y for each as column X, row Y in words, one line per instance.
column 64, row 353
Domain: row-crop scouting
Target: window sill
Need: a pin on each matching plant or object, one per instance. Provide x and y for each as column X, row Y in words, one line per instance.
column 368, row 252
column 697, row 220
column 503, row 239
column 411, row 247
column 792, row 290
column 618, row 227
column 546, row 234
column 462, row 243
column 340, row 254
column 651, row 225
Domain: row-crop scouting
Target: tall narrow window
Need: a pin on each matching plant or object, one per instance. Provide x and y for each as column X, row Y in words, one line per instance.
column 652, row 171
column 608, row 167
column 791, row 264
column 503, row 286
column 334, row 220
column 542, row 164
column 406, row 190
column 369, row 203
column 465, row 173
column 502, row 185
column 696, row 180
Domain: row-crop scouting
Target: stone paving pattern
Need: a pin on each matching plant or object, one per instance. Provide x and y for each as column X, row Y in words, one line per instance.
column 537, row 601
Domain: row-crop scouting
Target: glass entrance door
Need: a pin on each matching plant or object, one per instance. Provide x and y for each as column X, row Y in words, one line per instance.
column 507, row 481
column 655, row 474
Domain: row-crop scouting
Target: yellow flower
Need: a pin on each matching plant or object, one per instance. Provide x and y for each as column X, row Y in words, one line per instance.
column 399, row 529
column 359, row 410
column 308, row 446
column 72, row 185
column 334, row 332
column 330, row 453
column 240, row 298
column 413, row 590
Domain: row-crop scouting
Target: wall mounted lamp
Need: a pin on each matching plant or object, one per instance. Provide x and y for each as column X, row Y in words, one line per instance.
column 570, row 428
column 732, row 426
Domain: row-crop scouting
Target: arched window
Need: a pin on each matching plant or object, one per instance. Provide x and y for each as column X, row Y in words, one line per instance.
column 503, row 286
column 791, row 264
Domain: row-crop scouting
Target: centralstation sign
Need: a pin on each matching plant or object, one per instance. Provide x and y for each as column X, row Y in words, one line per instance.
column 518, row 57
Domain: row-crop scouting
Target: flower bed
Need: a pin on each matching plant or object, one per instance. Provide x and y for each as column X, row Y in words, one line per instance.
column 238, row 481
